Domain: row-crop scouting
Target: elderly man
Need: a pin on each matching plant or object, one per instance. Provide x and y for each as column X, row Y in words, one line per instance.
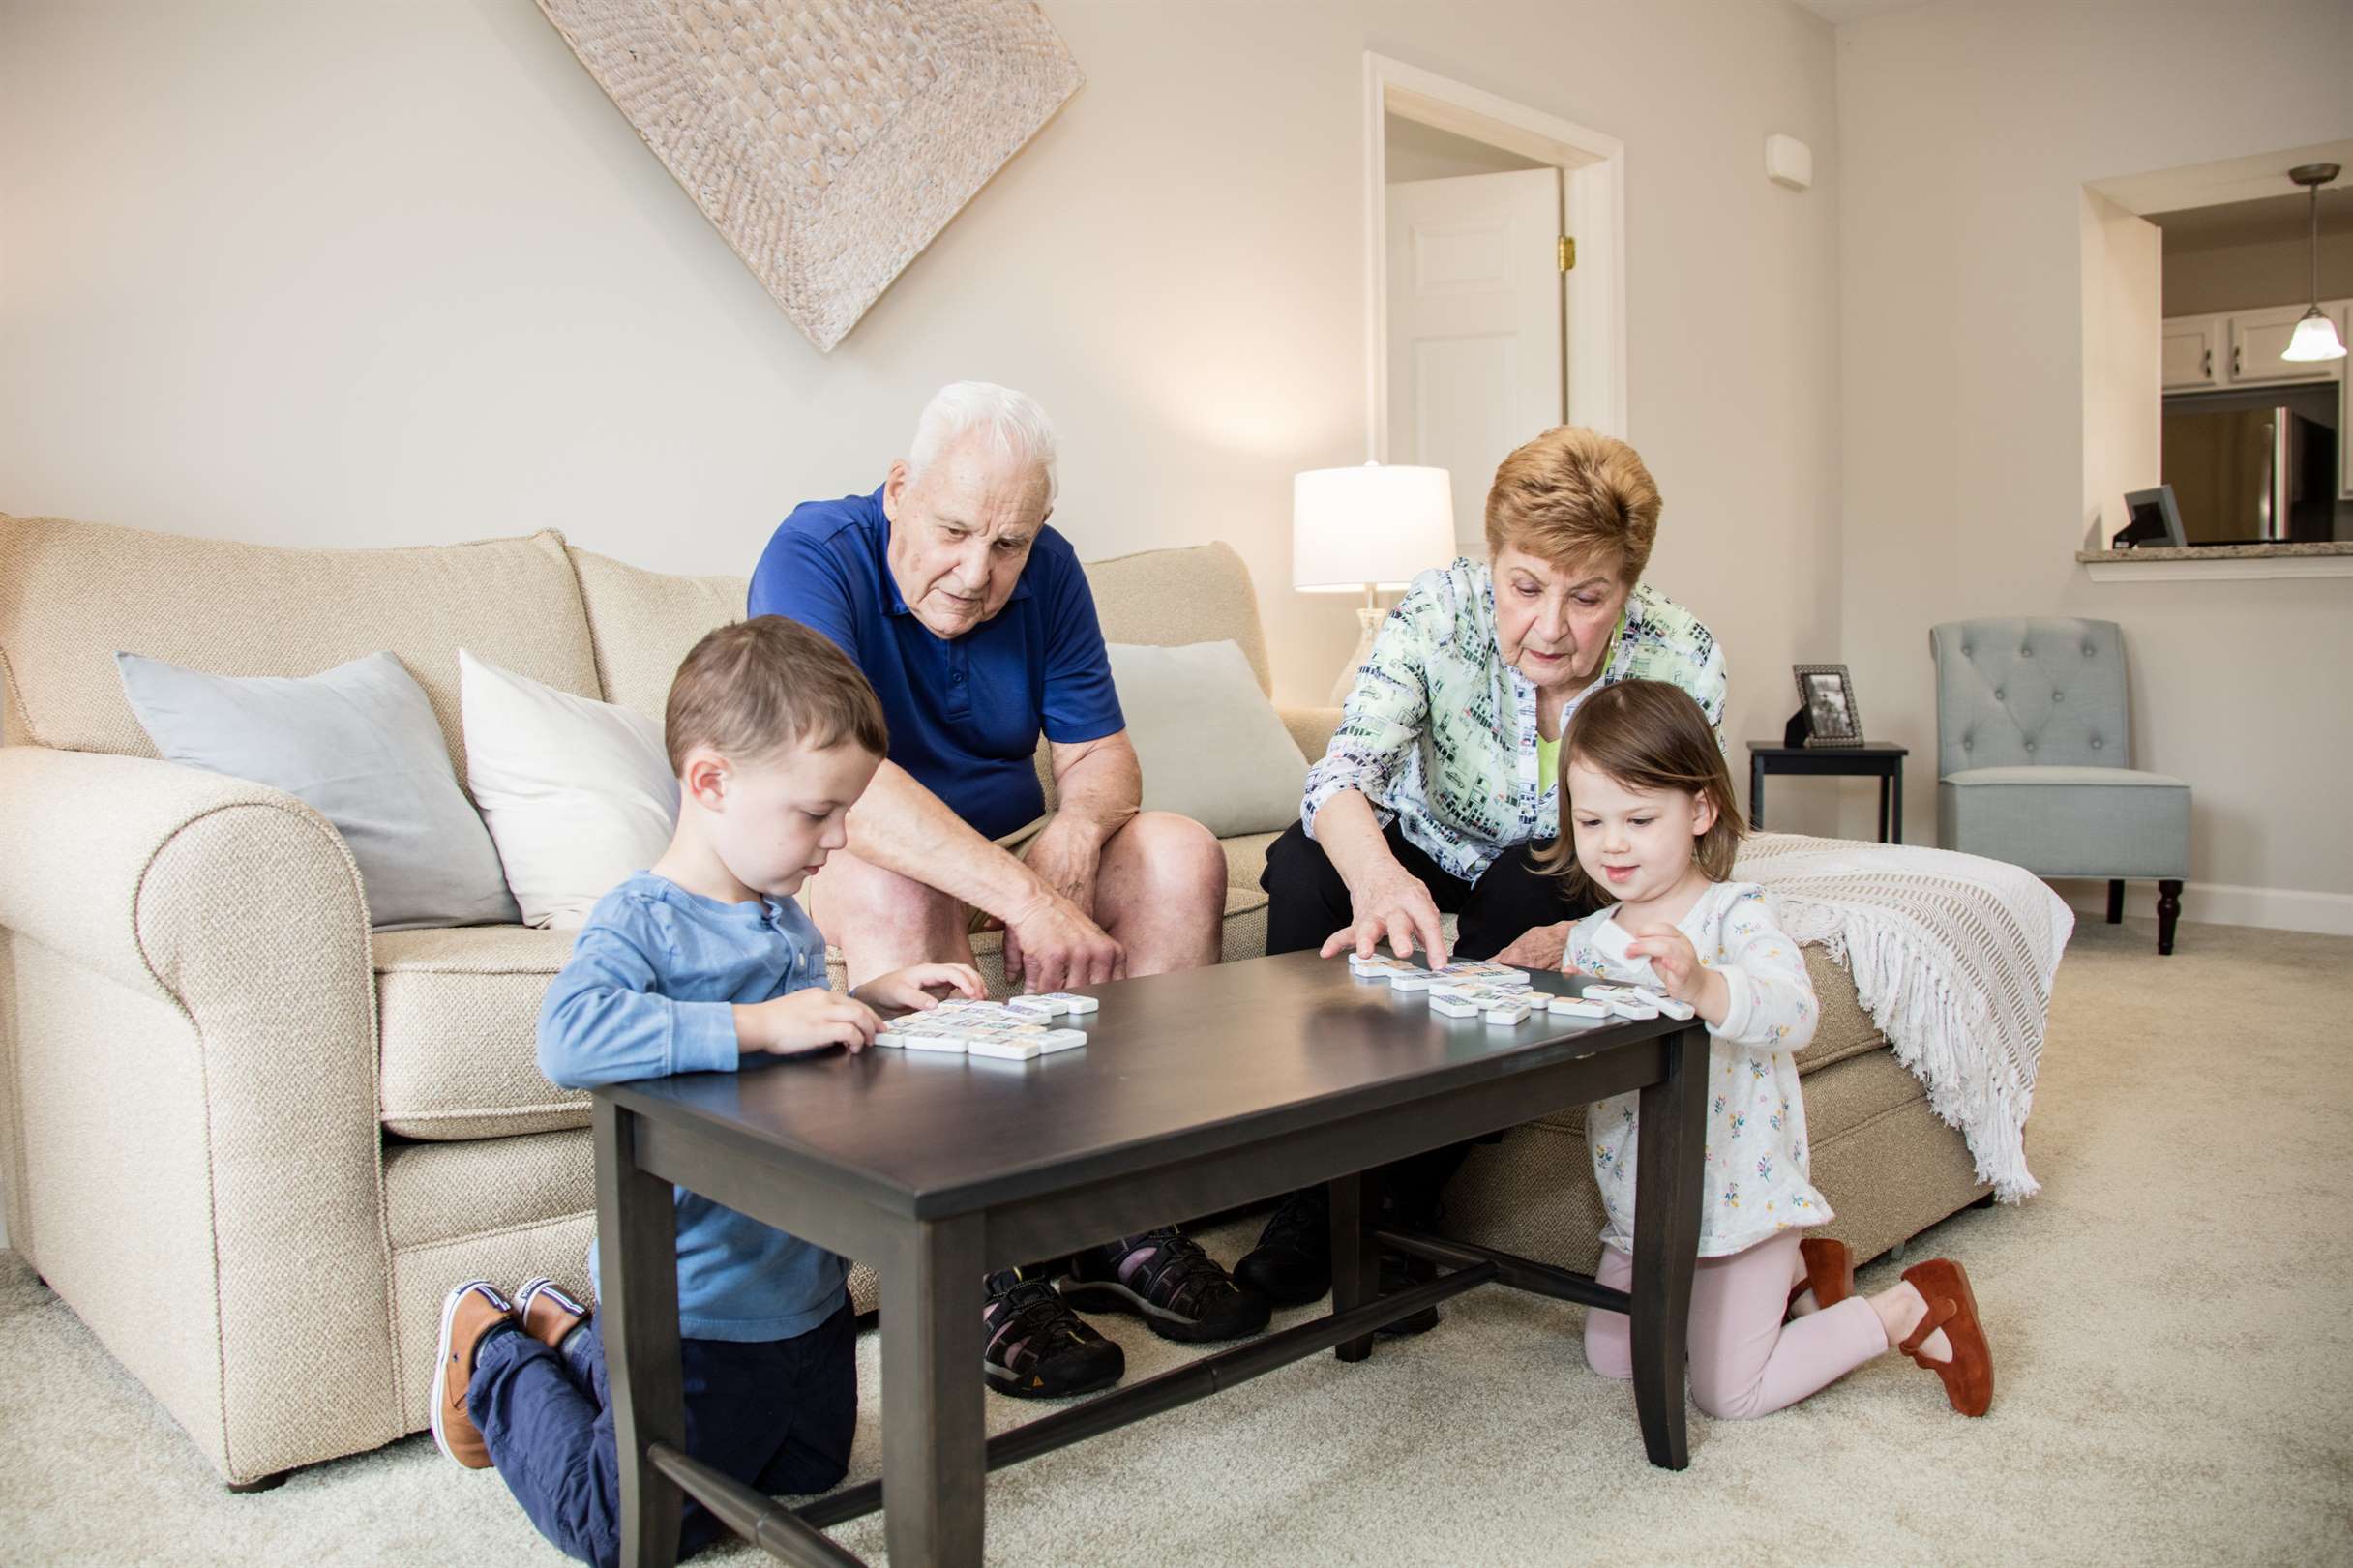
column 974, row 623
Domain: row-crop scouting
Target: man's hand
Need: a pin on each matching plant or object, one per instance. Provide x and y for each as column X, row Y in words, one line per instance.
column 807, row 1019
column 1399, row 909
column 1067, row 857
column 1540, row 947
column 1051, row 945
column 913, row 985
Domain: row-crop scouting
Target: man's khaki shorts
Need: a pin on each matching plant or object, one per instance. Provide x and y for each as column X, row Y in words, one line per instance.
column 1017, row 844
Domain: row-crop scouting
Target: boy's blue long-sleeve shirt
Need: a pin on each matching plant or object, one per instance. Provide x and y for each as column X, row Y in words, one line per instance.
column 649, row 990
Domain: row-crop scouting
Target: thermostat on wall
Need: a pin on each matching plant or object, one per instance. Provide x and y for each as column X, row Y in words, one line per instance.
column 1789, row 162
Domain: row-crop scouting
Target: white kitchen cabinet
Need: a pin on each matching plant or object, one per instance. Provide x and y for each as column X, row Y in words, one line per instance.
column 2256, row 340
column 2241, row 348
column 2190, row 359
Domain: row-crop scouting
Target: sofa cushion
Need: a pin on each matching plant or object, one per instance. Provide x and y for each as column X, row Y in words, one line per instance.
column 1210, row 745
column 72, row 593
column 458, row 1020
column 645, row 623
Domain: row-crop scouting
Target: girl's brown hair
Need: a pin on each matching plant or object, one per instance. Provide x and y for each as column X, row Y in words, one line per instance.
column 1647, row 735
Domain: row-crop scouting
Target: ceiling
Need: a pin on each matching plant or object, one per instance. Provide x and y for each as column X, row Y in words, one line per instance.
column 1840, row 12
column 2265, row 221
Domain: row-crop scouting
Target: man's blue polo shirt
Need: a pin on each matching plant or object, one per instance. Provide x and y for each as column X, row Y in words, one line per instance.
column 964, row 712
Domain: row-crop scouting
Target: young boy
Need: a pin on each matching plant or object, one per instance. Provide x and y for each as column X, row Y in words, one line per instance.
column 696, row 966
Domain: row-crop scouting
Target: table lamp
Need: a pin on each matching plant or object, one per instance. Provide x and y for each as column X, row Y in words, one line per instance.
column 1366, row 529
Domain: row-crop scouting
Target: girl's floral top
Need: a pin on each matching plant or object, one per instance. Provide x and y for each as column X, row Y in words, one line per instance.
column 1757, row 1176
column 1439, row 734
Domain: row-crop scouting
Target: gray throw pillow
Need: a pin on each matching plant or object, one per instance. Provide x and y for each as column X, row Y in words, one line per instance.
column 1211, row 746
column 360, row 744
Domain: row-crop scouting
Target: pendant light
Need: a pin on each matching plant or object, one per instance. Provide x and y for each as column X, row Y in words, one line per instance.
column 2315, row 336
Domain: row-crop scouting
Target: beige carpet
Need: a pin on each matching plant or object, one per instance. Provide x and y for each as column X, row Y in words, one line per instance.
column 2169, row 1322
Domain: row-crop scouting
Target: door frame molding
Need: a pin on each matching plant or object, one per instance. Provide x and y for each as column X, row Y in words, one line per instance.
column 1592, row 198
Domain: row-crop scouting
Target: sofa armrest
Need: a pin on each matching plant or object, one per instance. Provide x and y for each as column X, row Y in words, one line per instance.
column 226, row 1140
column 1311, row 727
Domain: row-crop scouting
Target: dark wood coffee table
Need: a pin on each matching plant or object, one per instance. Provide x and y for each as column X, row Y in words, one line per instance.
column 1200, row 1091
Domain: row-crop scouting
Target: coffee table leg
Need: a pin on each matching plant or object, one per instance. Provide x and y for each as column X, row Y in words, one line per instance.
column 935, row 1446
column 1666, row 1241
column 637, row 1319
column 1356, row 1274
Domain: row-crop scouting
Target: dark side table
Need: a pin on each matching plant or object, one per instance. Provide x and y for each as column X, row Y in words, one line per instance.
column 1878, row 759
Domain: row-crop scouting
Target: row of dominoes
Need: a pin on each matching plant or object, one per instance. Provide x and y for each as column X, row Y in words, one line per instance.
column 1638, row 1001
column 1505, row 995
column 994, row 1029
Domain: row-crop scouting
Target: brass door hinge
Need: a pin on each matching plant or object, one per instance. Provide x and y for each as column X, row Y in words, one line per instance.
column 1566, row 253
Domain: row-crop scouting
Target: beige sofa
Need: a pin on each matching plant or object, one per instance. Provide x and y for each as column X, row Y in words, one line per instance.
column 226, row 1103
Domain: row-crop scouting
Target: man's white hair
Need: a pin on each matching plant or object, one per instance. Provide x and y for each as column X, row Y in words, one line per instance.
column 1015, row 426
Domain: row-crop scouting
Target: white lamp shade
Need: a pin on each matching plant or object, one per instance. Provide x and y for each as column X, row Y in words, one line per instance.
column 2315, row 339
column 1376, row 524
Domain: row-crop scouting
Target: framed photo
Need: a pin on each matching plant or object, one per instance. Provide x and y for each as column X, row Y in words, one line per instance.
column 1826, row 693
column 2156, row 521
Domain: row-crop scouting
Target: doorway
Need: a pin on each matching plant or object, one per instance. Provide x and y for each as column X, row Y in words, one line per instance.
column 1495, row 279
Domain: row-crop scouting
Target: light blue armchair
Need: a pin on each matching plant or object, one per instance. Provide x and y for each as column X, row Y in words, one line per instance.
column 2033, row 754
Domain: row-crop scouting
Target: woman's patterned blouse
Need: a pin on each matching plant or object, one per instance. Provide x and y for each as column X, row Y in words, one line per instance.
column 1439, row 734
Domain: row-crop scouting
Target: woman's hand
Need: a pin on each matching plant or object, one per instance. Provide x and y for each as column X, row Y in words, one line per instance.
column 913, row 985
column 1681, row 974
column 1396, row 906
column 806, row 1019
column 1540, row 947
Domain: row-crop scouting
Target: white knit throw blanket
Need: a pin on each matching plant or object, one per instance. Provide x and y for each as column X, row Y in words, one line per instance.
column 1952, row 956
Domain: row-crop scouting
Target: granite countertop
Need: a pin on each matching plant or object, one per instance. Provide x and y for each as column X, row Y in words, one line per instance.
column 2212, row 552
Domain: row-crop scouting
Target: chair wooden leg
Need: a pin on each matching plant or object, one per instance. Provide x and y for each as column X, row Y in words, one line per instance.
column 2116, row 900
column 2168, row 911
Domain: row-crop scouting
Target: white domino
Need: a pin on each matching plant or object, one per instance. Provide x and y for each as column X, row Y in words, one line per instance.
column 1007, row 1048
column 1453, row 1007
column 1073, row 1002
column 1053, row 1039
column 1664, row 1003
column 1576, row 1008
column 1410, row 980
column 950, row 1044
column 890, row 1037
column 1043, row 1007
column 1625, row 1007
column 1507, row 1014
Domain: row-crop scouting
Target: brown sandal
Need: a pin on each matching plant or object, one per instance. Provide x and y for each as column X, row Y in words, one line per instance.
column 1829, row 1272
column 1968, row 1377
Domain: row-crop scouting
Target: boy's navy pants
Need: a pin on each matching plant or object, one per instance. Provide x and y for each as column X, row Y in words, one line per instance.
column 775, row 1414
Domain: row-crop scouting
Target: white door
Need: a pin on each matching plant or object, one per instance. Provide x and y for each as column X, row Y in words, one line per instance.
column 2188, row 353
column 1474, row 327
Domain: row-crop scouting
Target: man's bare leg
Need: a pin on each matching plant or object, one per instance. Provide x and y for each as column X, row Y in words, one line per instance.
column 1161, row 893
column 883, row 921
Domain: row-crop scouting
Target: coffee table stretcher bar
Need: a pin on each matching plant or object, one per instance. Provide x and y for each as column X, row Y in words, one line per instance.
column 936, row 1453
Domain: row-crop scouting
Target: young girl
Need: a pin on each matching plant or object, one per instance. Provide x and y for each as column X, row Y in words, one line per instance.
column 1647, row 817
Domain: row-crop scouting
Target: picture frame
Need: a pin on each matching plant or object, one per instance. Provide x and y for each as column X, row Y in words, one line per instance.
column 1827, row 706
column 2156, row 521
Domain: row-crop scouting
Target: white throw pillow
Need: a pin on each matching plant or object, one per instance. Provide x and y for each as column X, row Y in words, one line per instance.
column 1212, row 745
column 578, row 794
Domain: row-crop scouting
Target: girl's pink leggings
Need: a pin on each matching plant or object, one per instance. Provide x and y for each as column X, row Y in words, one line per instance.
column 1745, row 1361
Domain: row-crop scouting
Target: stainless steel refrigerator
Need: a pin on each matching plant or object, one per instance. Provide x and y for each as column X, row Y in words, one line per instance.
column 2251, row 476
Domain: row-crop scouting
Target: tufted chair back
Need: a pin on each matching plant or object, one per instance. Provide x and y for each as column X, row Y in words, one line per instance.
column 2045, row 693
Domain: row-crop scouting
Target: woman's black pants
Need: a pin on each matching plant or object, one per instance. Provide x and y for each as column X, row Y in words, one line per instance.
column 1307, row 902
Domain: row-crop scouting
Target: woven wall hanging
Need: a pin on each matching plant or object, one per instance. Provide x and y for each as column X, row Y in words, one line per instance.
column 829, row 141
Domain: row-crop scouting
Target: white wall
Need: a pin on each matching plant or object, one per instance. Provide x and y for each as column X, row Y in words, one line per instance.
column 1966, row 132
column 2204, row 278
column 379, row 275
column 2123, row 369
column 1413, row 152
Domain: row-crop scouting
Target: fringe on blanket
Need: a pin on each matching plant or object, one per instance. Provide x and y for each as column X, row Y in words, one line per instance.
column 1930, row 1030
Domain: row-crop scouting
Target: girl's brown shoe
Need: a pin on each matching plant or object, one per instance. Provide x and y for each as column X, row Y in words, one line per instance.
column 1829, row 1272
column 1968, row 1377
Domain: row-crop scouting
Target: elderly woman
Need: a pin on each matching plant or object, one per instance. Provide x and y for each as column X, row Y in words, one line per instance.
column 1443, row 777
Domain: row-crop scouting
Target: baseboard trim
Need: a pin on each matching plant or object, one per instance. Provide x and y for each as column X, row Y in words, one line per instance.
column 2221, row 903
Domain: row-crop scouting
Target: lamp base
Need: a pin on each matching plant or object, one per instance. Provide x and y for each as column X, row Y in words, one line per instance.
column 1368, row 618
